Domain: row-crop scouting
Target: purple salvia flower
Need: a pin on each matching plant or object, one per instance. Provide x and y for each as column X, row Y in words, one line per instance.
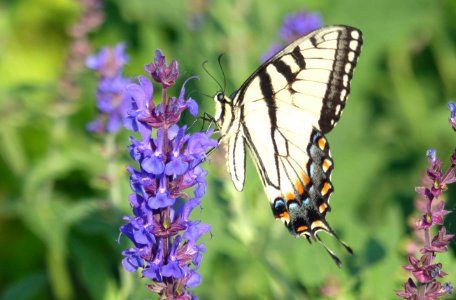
column 273, row 49
column 439, row 242
column 166, row 248
column 293, row 27
column 109, row 61
column 447, row 288
column 452, row 119
column 140, row 106
column 434, row 290
column 299, row 24
column 425, row 271
column 164, row 74
column 111, row 98
column 410, row 290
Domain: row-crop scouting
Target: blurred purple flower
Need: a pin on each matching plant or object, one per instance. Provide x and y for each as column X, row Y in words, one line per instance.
column 299, row 24
column 452, row 107
column 425, row 270
column 293, row 27
column 112, row 101
column 165, row 239
column 109, row 61
column 90, row 18
column 273, row 49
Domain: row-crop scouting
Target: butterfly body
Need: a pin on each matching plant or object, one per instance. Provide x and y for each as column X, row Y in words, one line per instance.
column 281, row 114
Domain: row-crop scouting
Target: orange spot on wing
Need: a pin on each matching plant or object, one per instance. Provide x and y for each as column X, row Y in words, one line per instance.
column 305, row 179
column 285, row 217
column 322, row 143
column 326, row 165
column 318, row 224
column 298, row 186
column 322, row 208
column 289, row 196
column 325, row 189
column 301, row 228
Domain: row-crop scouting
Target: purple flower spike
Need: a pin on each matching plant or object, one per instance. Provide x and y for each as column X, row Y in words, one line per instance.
column 166, row 248
column 112, row 101
column 425, row 271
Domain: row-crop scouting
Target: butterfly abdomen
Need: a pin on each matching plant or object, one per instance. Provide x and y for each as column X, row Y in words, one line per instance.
column 303, row 211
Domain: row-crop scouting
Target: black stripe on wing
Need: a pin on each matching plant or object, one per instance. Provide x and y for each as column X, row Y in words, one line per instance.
column 298, row 58
column 285, row 70
column 349, row 44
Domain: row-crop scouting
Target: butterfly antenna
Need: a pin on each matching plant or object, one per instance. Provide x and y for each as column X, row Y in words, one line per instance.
column 203, row 94
column 212, row 76
column 223, row 72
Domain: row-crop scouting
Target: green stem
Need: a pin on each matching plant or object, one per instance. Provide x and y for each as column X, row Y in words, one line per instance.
column 58, row 273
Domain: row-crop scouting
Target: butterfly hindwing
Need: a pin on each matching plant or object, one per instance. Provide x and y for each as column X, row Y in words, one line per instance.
column 282, row 112
column 236, row 160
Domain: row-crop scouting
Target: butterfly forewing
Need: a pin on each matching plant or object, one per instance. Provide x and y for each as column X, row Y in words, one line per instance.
column 282, row 112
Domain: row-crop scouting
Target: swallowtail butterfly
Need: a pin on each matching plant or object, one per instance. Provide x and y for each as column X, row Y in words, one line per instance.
column 282, row 113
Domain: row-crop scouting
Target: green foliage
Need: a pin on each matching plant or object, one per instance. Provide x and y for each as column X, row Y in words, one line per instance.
column 63, row 191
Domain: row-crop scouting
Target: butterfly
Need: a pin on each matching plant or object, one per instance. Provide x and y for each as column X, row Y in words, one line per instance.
column 282, row 113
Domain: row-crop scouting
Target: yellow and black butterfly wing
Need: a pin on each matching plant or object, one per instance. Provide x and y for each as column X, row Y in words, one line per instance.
column 282, row 113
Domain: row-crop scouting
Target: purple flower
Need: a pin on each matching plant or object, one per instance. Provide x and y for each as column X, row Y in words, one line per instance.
column 440, row 242
column 435, row 290
column 144, row 114
column 447, row 288
column 410, row 290
column 164, row 74
column 111, row 98
column 299, row 24
column 424, row 269
column 293, row 27
column 452, row 120
column 169, row 161
column 273, row 49
column 141, row 105
column 109, row 61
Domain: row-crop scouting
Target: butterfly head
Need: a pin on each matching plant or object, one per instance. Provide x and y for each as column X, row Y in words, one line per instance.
column 220, row 97
column 223, row 109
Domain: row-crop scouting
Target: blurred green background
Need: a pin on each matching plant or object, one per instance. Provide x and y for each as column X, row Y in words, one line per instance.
column 63, row 191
